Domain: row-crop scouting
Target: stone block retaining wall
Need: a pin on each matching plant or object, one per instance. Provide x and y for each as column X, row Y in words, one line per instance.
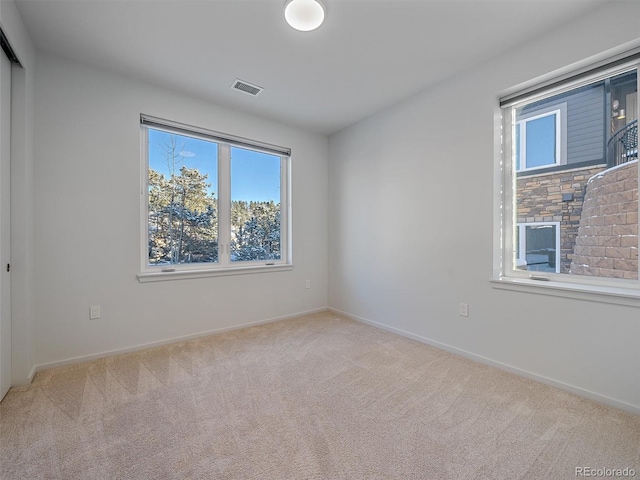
column 607, row 241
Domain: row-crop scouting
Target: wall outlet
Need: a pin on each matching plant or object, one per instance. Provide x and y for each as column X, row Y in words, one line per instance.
column 94, row 312
column 464, row 309
column 307, row 284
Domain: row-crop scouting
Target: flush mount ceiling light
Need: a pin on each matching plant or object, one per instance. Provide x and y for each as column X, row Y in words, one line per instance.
column 304, row 15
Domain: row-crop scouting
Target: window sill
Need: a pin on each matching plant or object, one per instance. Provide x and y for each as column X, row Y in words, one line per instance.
column 593, row 293
column 145, row 277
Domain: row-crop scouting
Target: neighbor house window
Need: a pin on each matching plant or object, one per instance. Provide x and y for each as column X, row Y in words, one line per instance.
column 211, row 201
column 569, row 169
column 538, row 140
column 538, row 246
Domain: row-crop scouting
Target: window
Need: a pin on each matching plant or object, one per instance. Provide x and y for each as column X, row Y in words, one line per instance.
column 538, row 140
column 569, row 189
column 538, row 246
column 211, row 202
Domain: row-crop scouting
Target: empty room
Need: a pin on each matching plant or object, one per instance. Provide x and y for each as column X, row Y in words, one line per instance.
column 319, row 239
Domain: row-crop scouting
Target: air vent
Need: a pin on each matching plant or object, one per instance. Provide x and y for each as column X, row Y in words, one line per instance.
column 246, row 87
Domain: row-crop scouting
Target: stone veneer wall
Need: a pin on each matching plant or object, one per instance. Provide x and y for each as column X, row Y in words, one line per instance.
column 607, row 242
column 540, row 200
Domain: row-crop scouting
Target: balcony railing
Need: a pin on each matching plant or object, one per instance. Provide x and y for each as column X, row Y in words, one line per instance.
column 623, row 145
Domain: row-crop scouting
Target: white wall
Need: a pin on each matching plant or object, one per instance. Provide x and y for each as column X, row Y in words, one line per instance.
column 87, row 225
column 22, row 247
column 411, row 219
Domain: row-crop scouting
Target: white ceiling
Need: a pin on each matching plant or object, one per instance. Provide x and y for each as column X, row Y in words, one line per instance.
column 368, row 54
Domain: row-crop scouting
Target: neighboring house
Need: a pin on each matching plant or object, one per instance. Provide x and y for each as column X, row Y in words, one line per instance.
column 561, row 142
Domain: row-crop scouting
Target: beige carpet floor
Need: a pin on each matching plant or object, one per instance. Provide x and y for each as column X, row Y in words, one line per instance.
column 315, row 397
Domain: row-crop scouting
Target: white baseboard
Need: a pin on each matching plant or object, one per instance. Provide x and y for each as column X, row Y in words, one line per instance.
column 32, row 373
column 502, row 366
column 135, row 348
column 24, row 380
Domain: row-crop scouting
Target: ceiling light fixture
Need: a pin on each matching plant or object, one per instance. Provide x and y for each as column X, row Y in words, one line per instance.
column 304, row 15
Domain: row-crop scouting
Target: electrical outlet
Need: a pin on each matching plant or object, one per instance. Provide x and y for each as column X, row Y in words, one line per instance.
column 307, row 284
column 94, row 312
column 464, row 309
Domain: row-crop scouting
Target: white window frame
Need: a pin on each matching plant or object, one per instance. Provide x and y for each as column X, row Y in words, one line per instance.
column 522, row 236
column 224, row 265
column 560, row 111
column 505, row 272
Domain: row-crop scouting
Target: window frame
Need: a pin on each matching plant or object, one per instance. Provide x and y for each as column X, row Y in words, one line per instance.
column 505, row 272
column 224, row 265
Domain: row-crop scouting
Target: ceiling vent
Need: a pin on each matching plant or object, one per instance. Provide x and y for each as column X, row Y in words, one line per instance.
column 246, row 87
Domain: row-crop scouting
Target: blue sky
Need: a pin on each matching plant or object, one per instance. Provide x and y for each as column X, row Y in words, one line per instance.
column 254, row 175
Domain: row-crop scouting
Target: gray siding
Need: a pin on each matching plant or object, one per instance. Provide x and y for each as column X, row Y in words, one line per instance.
column 586, row 125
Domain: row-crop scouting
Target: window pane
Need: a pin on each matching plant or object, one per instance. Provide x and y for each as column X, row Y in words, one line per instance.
column 183, row 220
column 593, row 197
column 541, row 141
column 255, row 206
